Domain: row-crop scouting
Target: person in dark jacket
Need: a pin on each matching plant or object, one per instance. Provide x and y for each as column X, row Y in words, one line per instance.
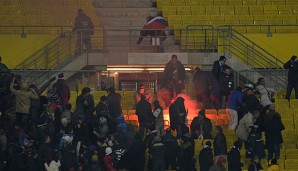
column 174, row 75
column 115, row 109
column 250, row 99
column 255, row 145
column 292, row 66
column 157, row 152
column 62, row 89
column 102, row 109
column 235, row 101
column 255, row 164
column 178, row 116
column 3, row 67
column 45, row 151
column 185, row 160
column 201, row 125
column 219, row 66
column 85, row 29
column 273, row 134
column 84, row 103
column 137, row 154
column 202, row 84
column 226, row 82
column 234, row 157
column 145, row 115
column 171, row 145
column 219, row 144
column 206, row 157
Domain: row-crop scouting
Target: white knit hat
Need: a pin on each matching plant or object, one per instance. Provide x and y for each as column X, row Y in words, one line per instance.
column 108, row 150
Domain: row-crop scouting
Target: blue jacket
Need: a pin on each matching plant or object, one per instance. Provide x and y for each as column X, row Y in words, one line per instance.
column 235, row 100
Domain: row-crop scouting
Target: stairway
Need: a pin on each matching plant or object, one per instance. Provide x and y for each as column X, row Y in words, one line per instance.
column 122, row 22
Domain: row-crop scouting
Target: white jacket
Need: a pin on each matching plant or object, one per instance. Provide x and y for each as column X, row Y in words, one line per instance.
column 265, row 99
column 53, row 166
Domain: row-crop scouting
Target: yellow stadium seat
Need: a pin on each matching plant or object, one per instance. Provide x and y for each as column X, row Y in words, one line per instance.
column 71, row 3
column 227, row 10
column 278, row 2
column 270, row 10
column 285, row 10
column 291, row 2
column 198, row 10
column 192, row 3
column 33, row 20
column 291, row 164
column 289, row 142
column 291, row 153
column 220, row 2
column 189, row 22
column 260, row 19
column 246, row 19
column 133, row 119
column 212, row 10
column 178, row 2
column 275, row 19
column 183, row 10
column 235, row 2
column 263, row 2
column 206, row 3
column 131, row 112
column 223, row 120
column 282, row 103
column 173, row 23
column 231, row 19
column 18, row 21
column 27, row 2
column 294, row 103
column 249, row 2
column 256, row 10
column 241, row 10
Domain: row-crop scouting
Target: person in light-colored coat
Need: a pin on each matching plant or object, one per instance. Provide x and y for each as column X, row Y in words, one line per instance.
column 245, row 123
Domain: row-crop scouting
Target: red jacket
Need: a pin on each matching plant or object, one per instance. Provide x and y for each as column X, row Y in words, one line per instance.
column 108, row 163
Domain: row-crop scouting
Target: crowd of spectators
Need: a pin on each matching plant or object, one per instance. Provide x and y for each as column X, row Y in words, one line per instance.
column 42, row 132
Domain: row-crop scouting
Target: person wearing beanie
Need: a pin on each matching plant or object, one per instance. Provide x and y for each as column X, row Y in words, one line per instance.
column 234, row 157
column 292, row 66
column 95, row 166
column 108, row 160
column 219, row 66
column 62, row 89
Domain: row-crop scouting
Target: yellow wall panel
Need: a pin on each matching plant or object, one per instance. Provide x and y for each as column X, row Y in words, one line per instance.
column 14, row 49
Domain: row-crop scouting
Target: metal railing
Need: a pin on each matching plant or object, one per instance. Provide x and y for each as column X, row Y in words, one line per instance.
column 194, row 38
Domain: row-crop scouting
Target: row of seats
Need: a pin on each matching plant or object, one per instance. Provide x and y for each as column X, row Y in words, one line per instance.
column 230, row 10
column 45, row 2
column 161, row 3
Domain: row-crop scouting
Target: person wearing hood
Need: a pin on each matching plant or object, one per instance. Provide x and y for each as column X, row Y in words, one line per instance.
column 23, row 101
column 235, row 101
column 62, row 89
column 206, row 157
column 234, row 157
column 85, row 29
column 178, row 116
